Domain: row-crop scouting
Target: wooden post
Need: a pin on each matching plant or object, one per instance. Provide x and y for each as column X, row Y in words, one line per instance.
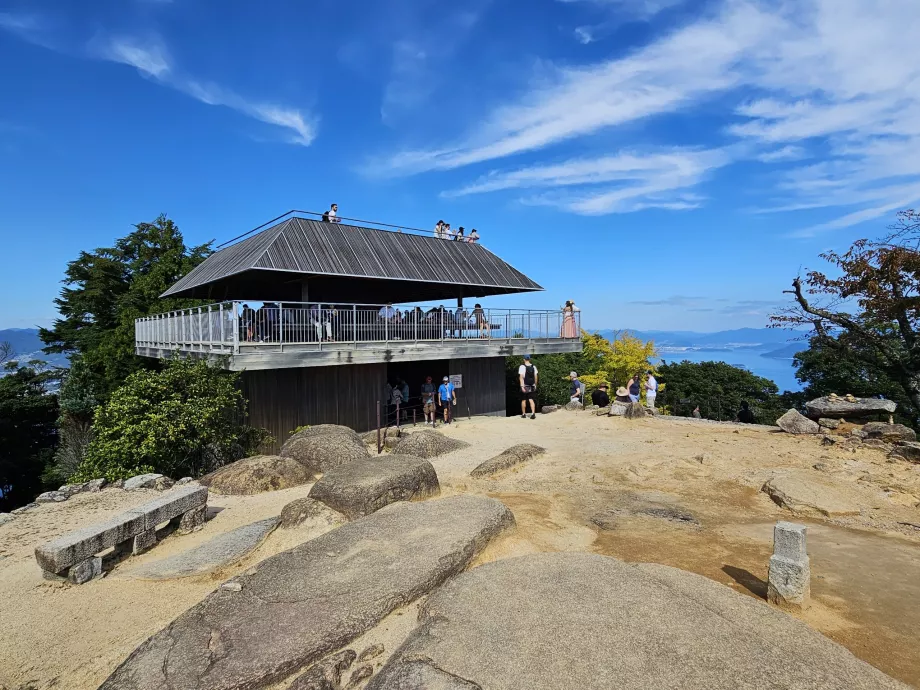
column 379, row 447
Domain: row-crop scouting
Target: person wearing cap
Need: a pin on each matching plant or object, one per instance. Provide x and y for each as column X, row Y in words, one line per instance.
column 446, row 396
column 429, row 407
column 651, row 389
column 575, row 390
column 529, row 377
column 599, row 397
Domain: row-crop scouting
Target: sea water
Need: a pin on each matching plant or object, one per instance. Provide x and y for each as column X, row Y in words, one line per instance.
column 780, row 371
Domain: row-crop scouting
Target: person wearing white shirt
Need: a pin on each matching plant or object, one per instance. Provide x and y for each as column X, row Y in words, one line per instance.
column 331, row 216
column 651, row 390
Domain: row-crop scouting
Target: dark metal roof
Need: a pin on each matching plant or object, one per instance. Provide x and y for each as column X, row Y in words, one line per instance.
column 327, row 253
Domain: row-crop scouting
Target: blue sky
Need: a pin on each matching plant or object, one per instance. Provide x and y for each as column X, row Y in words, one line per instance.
column 668, row 164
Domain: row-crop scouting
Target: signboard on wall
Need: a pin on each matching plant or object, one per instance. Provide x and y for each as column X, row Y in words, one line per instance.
column 457, row 380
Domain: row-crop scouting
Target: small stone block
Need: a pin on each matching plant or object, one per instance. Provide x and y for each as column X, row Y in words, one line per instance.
column 85, row 571
column 789, row 582
column 789, row 541
column 144, row 541
column 192, row 520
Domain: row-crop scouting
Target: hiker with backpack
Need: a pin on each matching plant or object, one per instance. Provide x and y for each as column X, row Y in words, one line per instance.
column 577, row 390
column 528, row 377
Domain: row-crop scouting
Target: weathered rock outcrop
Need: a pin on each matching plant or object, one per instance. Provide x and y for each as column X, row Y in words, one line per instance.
column 546, row 409
column 574, row 405
column 324, row 430
column 427, row 444
column 889, row 433
column 907, row 450
column 294, row 608
column 256, row 475
column 365, row 486
column 635, row 411
column 509, row 457
column 839, row 408
column 320, row 452
column 297, row 512
column 618, row 409
column 828, row 423
column 807, row 495
column 565, row 621
column 220, row 551
column 795, row 423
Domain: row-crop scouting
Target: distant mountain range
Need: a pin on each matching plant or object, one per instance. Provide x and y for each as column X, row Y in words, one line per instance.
column 739, row 338
column 27, row 346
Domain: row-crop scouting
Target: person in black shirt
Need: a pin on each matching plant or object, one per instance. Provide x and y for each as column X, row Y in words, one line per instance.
column 745, row 416
column 600, row 397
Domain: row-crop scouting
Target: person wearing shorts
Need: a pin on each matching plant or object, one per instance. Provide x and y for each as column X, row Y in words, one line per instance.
column 429, row 407
column 528, row 377
column 447, row 395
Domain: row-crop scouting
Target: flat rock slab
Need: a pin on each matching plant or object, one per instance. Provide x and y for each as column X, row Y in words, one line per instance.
column 298, row 606
column 428, row 444
column 583, row 621
column 806, row 495
column 839, row 408
column 256, row 475
column 365, row 486
column 509, row 457
column 222, row 550
column 321, row 452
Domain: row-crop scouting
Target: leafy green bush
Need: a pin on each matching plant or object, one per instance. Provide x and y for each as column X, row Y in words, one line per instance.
column 183, row 420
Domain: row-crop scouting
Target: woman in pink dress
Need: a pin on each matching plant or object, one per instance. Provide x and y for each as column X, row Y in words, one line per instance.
column 569, row 325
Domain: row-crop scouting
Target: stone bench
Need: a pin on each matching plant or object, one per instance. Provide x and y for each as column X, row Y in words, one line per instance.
column 74, row 554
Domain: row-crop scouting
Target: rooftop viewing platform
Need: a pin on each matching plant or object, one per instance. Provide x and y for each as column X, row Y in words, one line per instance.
column 300, row 291
column 296, row 334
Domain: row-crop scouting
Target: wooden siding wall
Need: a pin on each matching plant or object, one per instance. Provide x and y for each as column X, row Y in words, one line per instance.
column 483, row 385
column 280, row 400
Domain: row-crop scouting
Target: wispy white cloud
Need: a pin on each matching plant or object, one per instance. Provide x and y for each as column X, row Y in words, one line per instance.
column 633, row 9
column 151, row 59
column 618, row 183
column 786, row 153
column 584, row 34
column 810, row 79
column 664, row 77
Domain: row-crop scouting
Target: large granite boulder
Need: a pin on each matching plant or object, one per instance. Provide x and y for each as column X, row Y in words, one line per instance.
column 365, row 486
column 577, row 621
column 256, row 475
column 546, row 409
column 805, row 494
column 618, row 409
column 574, row 405
column 889, row 433
column 324, row 430
column 427, row 444
column 635, row 411
column 142, row 481
column 295, row 608
column 509, row 457
column 323, row 451
column 297, row 512
column 795, row 423
column 839, row 408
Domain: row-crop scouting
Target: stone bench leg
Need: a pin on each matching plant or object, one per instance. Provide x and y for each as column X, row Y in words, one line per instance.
column 144, row 541
column 192, row 520
column 84, row 571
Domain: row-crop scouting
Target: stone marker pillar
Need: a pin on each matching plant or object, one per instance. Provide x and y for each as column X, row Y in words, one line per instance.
column 790, row 574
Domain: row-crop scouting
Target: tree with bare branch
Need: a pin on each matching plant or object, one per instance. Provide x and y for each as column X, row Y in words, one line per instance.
column 869, row 310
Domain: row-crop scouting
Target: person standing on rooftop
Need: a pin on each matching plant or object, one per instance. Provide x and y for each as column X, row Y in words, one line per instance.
column 331, row 216
column 439, row 230
column 473, row 237
column 459, row 236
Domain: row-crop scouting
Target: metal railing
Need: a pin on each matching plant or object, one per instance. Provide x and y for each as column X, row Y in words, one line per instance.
column 246, row 326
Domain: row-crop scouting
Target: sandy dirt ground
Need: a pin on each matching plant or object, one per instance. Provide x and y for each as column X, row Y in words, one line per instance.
column 865, row 587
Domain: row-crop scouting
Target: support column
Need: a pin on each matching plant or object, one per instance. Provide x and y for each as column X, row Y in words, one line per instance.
column 144, row 541
column 304, row 290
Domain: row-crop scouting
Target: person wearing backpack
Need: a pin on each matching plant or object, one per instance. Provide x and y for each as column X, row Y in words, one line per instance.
column 528, row 377
column 577, row 389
